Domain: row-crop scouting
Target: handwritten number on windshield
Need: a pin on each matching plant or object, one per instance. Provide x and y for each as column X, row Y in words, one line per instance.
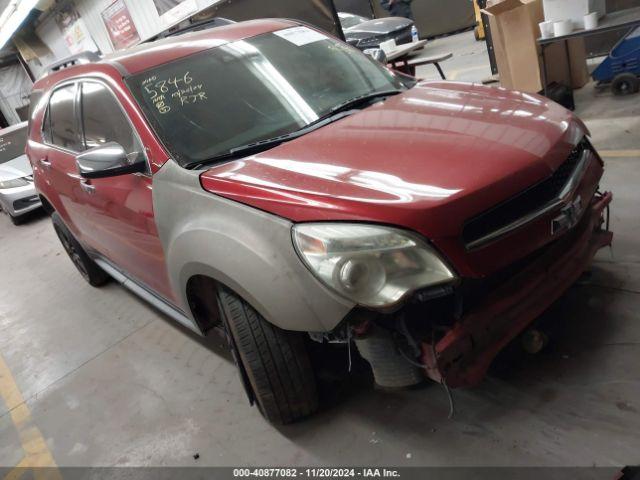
column 182, row 91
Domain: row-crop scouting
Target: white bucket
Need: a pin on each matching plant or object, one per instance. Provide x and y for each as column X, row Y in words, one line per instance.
column 562, row 28
column 591, row 21
column 546, row 29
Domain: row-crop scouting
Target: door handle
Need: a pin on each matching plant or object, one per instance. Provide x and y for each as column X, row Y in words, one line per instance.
column 45, row 163
column 87, row 187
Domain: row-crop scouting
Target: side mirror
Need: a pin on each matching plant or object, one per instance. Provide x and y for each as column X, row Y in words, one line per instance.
column 377, row 54
column 108, row 160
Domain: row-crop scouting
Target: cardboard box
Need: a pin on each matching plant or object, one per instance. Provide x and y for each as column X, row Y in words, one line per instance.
column 574, row 10
column 514, row 30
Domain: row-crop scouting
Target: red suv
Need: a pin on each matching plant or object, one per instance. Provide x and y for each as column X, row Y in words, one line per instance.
column 275, row 182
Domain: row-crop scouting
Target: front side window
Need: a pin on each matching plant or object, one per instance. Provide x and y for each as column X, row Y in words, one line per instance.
column 63, row 130
column 205, row 105
column 103, row 120
column 12, row 144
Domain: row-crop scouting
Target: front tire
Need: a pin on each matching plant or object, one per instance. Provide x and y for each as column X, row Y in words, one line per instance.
column 89, row 269
column 16, row 220
column 276, row 362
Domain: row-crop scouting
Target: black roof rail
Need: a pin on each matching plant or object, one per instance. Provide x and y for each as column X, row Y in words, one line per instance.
column 80, row 58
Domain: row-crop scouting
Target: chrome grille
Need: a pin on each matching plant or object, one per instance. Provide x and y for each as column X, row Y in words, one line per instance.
column 527, row 205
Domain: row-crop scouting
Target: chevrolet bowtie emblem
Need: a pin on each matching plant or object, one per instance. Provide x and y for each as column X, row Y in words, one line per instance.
column 568, row 218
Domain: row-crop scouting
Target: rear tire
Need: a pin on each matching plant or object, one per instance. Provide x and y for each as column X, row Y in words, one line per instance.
column 625, row 84
column 89, row 270
column 276, row 362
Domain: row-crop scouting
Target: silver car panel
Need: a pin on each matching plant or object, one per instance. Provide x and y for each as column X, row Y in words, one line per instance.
column 11, row 170
column 249, row 251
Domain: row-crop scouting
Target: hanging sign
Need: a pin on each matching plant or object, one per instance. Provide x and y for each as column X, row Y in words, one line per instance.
column 122, row 30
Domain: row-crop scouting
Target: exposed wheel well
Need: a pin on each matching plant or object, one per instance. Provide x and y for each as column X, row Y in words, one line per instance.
column 46, row 206
column 202, row 295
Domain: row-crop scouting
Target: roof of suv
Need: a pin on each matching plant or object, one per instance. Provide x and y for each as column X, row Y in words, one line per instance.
column 145, row 56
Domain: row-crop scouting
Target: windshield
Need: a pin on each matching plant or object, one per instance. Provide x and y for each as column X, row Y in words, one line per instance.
column 210, row 103
column 12, row 144
column 348, row 20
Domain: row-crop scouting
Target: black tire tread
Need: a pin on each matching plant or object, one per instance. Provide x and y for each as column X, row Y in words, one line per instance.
column 96, row 276
column 628, row 77
column 276, row 362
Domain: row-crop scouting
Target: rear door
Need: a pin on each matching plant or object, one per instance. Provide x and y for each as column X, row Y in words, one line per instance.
column 119, row 220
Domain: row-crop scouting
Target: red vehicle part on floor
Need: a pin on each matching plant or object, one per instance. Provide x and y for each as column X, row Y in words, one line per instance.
column 462, row 357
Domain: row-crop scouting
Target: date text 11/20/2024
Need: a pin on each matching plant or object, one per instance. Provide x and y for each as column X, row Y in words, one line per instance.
column 316, row 472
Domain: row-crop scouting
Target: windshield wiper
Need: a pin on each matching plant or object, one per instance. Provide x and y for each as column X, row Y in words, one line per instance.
column 362, row 99
column 339, row 111
column 262, row 145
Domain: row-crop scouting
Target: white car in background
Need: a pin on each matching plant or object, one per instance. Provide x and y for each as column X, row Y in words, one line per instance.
column 18, row 196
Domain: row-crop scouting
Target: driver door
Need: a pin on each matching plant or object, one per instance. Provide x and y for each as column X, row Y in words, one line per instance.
column 118, row 210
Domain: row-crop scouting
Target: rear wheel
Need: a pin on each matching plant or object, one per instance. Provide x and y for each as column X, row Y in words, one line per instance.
column 89, row 270
column 625, row 84
column 275, row 361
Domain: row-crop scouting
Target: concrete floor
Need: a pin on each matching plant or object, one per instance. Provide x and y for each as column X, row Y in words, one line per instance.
column 99, row 378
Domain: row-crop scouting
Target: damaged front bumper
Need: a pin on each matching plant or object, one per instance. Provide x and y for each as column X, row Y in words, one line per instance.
column 462, row 356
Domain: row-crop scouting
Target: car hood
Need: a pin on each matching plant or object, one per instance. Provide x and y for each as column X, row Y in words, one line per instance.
column 380, row 26
column 17, row 168
column 427, row 160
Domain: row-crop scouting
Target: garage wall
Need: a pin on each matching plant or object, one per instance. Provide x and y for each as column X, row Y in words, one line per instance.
column 603, row 43
column 359, row 7
column 15, row 87
column 143, row 13
column 148, row 22
column 90, row 11
column 316, row 12
column 437, row 17
column 51, row 36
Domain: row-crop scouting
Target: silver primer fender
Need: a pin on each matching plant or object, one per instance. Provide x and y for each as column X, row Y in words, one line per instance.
column 248, row 250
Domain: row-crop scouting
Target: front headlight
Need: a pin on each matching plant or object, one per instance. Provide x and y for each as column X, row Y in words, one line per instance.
column 13, row 183
column 371, row 265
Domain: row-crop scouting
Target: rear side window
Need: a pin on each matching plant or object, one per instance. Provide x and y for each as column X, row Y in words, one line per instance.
column 103, row 120
column 63, row 129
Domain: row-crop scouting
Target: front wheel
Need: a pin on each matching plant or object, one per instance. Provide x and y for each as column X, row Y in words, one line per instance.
column 276, row 362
